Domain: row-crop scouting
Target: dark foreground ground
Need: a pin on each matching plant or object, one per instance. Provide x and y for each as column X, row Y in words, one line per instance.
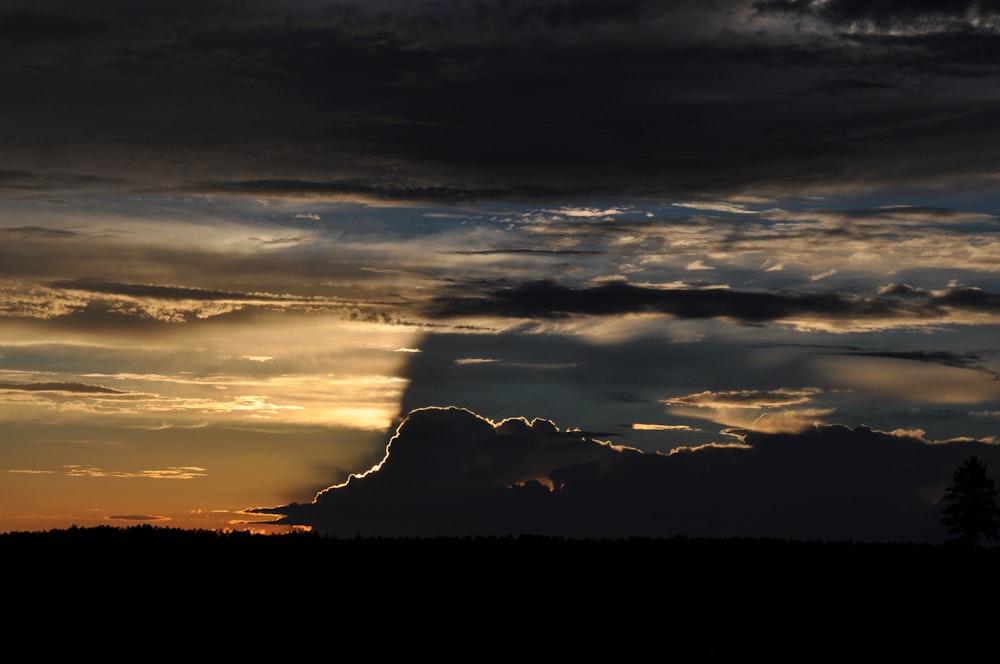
column 511, row 596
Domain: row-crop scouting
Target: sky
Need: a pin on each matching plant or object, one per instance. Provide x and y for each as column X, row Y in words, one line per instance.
column 617, row 268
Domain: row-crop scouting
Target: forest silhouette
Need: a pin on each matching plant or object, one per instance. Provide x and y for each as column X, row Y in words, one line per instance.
column 233, row 569
column 711, row 596
column 969, row 513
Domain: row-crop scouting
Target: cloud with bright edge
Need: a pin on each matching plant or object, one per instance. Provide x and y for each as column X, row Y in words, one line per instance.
column 451, row 472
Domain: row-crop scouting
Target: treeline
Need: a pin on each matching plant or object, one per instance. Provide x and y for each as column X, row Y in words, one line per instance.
column 509, row 594
column 207, row 576
column 166, row 539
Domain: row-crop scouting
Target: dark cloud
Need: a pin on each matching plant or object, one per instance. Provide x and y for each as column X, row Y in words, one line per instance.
column 75, row 388
column 885, row 13
column 39, row 231
column 28, row 181
column 587, row 384
column 448, row 471
column 136, row 517
column 554, row 252
column 375, row 189
column 902, row 290
column 969, row 299
column 104, row 287
column 548, row 299
column 29, row 25
column 947, row 358
column 455, row 101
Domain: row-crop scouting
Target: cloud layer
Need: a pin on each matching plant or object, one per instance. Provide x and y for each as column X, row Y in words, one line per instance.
column 455, row 101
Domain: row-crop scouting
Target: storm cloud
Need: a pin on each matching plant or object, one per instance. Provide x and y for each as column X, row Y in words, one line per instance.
column 457, row 101
column 449, row 471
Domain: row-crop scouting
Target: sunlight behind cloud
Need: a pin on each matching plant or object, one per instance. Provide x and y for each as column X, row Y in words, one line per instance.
column 227, row 373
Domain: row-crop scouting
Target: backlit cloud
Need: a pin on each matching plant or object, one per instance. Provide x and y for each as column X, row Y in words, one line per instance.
column 452, row 472
column 182, row 473
column 745, row 398
column 660, row 427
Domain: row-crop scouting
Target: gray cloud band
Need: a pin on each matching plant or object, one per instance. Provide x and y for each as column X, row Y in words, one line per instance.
column 572, row 98
column 547, row 299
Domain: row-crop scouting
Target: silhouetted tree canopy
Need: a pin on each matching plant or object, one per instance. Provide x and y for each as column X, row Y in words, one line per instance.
column 970, row 512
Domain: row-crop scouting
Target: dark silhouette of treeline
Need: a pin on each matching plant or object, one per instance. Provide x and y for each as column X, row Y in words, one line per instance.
column 244, row 539
column 164, row 540
column 709, row 596
column 148, row 534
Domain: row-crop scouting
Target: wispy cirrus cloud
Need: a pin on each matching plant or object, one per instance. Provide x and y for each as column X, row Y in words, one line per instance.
column 178, row 473
column 171, row 473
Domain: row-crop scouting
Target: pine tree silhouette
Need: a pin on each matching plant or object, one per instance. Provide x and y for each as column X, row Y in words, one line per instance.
column 970, row 512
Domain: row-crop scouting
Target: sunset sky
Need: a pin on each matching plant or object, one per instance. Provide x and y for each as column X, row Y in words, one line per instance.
column 634, row 267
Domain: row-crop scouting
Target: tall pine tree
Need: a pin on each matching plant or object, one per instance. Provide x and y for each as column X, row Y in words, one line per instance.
column 970, row 510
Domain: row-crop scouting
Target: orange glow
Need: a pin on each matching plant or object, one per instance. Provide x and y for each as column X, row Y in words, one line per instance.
column 544, row 481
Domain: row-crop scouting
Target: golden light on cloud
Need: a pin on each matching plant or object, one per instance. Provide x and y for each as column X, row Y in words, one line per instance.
column 584, row 212
column 823, row 275
column 915, row 381
column 791, row 421
column 373, row 417
column 684, row 449
column 745, row 398
column 662, row 427
column 776, row 421
column 323, row 371
column 183, row 473
column 475, row 360
column 716, row 206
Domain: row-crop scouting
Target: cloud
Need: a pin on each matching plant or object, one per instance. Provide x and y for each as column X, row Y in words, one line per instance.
column 716, row 206
column 638, row 426
column 461, row 101
column 449, row 471
column 39, row 231
column 74, row 388
column 153, row 291
column 966, row 360
column 178, row 473
column 548, row 299
column 932, row 14
column 552, row 252
column 584, row 212
column 823, row 275
column 91, row 301
column 136, row 517
column 744, row 398
column 371, row 191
